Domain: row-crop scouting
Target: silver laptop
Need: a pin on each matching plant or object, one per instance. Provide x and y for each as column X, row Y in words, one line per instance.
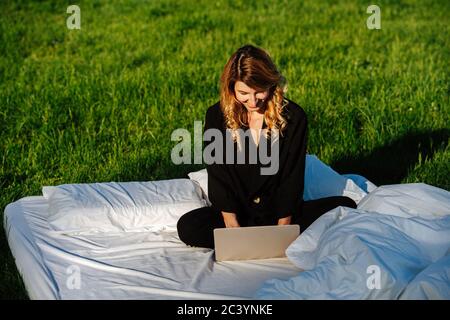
column 248, row 243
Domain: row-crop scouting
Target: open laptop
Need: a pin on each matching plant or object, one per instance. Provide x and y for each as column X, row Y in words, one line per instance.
column 248, row 243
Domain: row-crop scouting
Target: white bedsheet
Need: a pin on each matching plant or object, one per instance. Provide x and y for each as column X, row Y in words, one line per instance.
column 140, row 265
column 402, row 230
column 396, row 245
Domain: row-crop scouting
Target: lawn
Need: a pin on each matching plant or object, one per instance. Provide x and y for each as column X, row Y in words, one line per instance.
column 100, row 103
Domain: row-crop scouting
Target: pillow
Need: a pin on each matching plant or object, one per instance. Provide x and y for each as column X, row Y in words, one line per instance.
column 120, row 206
column 362, row 182
column 320, row 181
column 201, row 179
column 408, row 200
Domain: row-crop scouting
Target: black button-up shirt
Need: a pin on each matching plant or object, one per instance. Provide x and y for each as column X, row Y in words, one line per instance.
column 241, row 188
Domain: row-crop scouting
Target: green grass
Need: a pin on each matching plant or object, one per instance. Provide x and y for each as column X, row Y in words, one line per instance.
column 99, row 104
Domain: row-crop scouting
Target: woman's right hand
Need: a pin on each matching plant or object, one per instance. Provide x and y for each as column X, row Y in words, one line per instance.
column 230, row 220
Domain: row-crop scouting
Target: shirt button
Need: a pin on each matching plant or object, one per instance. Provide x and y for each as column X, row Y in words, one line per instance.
column 256, row 200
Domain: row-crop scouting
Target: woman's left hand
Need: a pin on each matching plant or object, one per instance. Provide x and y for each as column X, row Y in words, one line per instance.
column 285, row 220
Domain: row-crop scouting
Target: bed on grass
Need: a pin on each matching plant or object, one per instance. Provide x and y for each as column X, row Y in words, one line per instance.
column 118, row 241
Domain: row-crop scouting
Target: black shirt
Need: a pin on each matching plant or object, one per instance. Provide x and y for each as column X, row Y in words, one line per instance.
column 249, row 173
column 259, row 199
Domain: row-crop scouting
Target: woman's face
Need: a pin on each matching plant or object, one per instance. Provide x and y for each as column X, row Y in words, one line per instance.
column 250, row 98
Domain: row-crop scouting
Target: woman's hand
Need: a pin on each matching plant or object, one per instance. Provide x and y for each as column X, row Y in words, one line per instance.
column 230, row 220
column 285, row 220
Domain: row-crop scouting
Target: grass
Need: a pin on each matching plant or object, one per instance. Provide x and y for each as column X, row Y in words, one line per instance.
column 99, row 104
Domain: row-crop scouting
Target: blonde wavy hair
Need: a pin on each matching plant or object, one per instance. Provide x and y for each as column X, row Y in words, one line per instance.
column 255, row 68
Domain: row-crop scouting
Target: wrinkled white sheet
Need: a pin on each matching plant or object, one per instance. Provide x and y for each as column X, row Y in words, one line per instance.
column 400, row 251
column 139, row 265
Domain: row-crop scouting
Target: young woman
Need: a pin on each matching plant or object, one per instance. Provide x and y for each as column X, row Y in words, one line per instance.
column 252, row 98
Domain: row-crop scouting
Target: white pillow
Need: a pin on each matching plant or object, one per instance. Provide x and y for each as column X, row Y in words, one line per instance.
column 201, row 179
column 321, row 181
column 120, row 206
column 408, row 200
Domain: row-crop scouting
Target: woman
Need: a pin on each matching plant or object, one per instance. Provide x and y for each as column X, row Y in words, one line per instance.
column 252, row 97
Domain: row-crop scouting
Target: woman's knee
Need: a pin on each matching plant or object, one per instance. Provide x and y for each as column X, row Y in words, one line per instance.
column 186, row 228
column 195, row 228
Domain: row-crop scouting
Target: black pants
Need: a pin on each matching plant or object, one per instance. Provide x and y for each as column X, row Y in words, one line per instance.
column 195, row 228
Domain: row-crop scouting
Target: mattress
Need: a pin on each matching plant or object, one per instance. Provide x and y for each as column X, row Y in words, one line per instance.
column 125, row 265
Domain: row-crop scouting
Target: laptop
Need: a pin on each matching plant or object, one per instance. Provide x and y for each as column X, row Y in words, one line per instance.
column 248, row 243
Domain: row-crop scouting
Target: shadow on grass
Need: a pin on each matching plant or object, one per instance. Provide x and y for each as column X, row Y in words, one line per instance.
column 391, row 163
column 12, row 287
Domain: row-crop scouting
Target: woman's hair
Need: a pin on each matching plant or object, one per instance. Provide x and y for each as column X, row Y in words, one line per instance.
column 255, row 68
